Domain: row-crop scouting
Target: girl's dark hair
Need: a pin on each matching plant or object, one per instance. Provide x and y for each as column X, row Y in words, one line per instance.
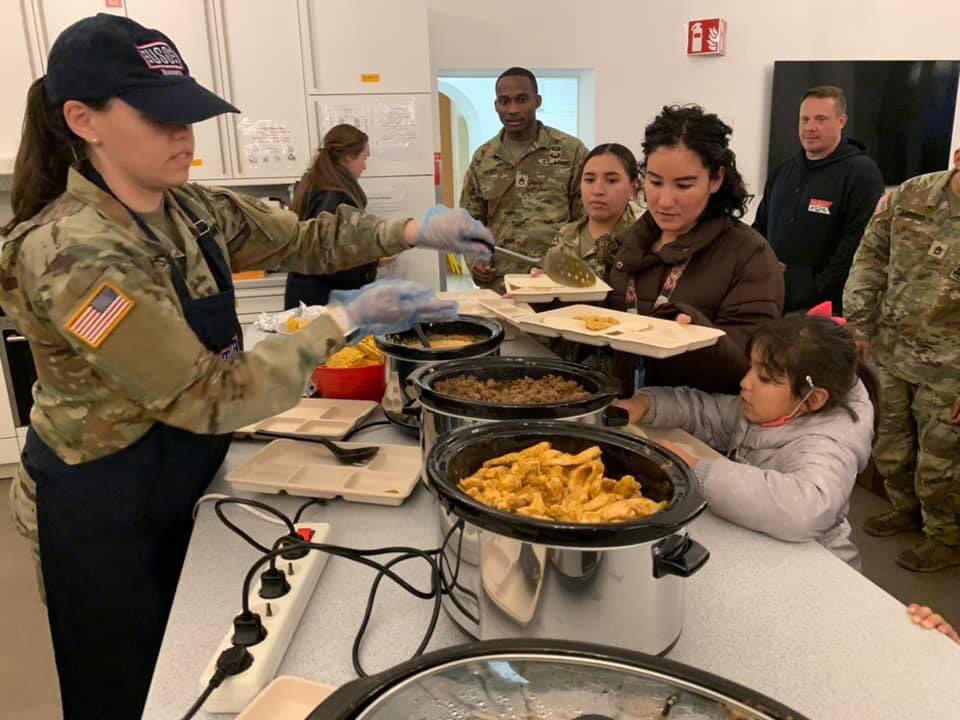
column 709, row 137
column 799, row 346
column 341, row 142
column 622, row 153
column 47, row 150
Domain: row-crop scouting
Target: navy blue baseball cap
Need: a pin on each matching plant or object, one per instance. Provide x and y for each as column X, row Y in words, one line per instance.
column 108, row 56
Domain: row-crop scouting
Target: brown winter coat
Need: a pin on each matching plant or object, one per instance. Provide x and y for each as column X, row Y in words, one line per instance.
column 733, row 282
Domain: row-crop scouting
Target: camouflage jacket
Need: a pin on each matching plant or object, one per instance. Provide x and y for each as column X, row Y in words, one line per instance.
column 600, row 258
column 524, row 203
column 903, row 292
column 92, row 401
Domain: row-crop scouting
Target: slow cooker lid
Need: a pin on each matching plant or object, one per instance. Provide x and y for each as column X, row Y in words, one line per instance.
column 558, row 680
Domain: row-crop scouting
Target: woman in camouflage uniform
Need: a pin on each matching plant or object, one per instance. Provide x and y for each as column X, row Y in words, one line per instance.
column 610, row 182
column 608, row 189
column 118, row 272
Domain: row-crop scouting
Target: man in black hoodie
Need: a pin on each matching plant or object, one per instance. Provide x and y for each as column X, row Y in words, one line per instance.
column 816, row 205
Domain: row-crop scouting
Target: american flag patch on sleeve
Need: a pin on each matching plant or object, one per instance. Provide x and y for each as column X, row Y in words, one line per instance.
column 100, row 313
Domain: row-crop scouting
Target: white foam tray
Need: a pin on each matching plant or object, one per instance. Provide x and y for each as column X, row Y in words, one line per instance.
column 485, row 303
column 315, row 417
column 636, row 334
column 540, row 289
column 286, row 698
column 308, row 469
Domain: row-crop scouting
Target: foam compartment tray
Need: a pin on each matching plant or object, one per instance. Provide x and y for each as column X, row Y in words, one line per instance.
column 308, row 469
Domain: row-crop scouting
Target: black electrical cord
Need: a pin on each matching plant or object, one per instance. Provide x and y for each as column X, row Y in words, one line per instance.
column 365, row 426
column 308, row 503
column 371, row 600
column 232, row 661
column 217, row 508
column 440, row 584
column 359, row 556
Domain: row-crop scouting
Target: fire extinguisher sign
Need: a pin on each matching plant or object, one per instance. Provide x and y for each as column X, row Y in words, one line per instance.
column 707, row 37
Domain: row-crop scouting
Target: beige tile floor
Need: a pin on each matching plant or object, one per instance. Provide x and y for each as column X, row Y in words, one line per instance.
column 28, row 683
column 28, row 679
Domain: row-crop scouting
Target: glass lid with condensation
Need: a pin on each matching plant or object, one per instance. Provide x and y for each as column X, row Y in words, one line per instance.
column 521, row 686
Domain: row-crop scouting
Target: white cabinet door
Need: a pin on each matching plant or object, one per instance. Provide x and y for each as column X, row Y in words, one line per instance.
column 406, row 197
column 56, row 15
column 18, row 73
column 367, row 46
column 260, row 45
column 189, row 23
column 400, row 129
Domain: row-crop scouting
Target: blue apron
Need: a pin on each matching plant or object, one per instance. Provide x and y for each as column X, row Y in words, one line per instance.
column 114, row 531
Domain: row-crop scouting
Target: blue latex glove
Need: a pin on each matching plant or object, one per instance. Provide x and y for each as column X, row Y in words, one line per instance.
column 392, row 306
column 454, row 231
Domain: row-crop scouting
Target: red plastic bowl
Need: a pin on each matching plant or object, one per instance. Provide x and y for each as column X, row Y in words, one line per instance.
column 364, row 383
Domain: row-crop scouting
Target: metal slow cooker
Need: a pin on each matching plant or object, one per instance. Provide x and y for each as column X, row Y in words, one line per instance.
column 619, row 584
column 441, row 414
column 545, row 680
column 402, row 360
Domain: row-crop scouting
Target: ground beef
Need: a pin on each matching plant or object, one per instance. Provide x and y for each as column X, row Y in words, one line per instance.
column 522, row 391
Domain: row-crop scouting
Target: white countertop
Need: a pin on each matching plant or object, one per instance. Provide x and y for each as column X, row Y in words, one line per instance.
column 788, row 620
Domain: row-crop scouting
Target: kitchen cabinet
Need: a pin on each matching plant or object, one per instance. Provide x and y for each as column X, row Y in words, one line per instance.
column 20, row 62
column 366, row 46
column 400, row 127
column 269, row 137
column 55, row 16
column 191, row 26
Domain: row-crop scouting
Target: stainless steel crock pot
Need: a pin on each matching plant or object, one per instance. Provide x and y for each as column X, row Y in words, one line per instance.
column 402, row 360
column 545, row 680
column 619, row 584
column 441, row 414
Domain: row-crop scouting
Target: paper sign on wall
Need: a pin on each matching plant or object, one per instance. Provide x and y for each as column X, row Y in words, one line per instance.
column 396, row 131
column 707, row 37
column 266, row 142
column 331, row 115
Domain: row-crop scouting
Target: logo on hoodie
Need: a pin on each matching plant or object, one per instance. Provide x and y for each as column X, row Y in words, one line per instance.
column 821, row 207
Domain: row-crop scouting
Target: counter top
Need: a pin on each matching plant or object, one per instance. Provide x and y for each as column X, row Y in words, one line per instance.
column 788, row 620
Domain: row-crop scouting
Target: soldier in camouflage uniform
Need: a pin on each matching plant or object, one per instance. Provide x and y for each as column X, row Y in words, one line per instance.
column 524, row 183
column 608, row 187
column 132, row 322
column 902, row 300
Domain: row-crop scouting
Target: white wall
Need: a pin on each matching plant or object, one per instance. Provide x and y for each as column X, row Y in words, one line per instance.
column 637, row 49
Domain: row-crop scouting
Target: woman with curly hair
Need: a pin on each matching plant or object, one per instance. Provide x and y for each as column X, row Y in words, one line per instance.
column 689, row 258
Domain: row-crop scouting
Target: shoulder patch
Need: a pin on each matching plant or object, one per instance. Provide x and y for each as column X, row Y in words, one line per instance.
column 99, row 314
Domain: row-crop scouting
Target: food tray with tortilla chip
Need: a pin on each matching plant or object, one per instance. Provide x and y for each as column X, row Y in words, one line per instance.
column 314, row 417
column 308, row 469
column 627, row 332
column 541, row 289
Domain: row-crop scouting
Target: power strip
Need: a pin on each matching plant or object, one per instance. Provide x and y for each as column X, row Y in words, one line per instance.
column 237, row 691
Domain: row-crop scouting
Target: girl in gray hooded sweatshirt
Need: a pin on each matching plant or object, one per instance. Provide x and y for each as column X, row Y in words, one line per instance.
column 794, row 439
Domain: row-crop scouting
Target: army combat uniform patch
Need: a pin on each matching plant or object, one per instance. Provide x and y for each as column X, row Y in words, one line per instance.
column 100, row 313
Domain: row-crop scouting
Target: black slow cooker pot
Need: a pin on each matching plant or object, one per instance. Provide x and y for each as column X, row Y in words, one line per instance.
column 441, row 413
column 403, row 360
column 511, row 576
column 545, row 680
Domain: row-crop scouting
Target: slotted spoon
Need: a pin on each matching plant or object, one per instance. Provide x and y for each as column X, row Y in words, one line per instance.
column 562, row 267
